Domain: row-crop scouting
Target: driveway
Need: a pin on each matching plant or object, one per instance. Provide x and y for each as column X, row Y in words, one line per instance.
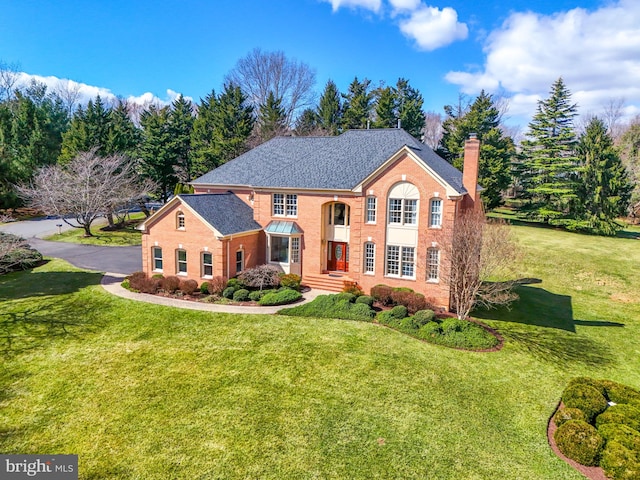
column 124, row 260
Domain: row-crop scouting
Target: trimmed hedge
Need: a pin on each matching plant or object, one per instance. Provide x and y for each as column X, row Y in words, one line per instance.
column 204, row 287
column 586, row 398
column 241, row 295
column 332, row 306
column 568, row 413
column 623, row 414
column 170, row 284
column 422, row 317
column 579, row 441
column 280, row 298
column 626, row 436
column 620, row 463
column 256, row 295
column 228, row 292
column 188, row 286
column 619, row 393
column 592, row 382
column 366, row 299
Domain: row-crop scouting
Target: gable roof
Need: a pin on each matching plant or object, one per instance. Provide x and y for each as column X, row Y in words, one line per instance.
column 216, row 209
column 325, row 163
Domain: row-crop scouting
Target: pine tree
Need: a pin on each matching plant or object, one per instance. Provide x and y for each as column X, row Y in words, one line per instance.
column 386, row 108
column 496, row 149
column 357, row 105
column 123, row 136
column 272, row 119
column 330, row 109
column 409, row 107
column 156, row 159
column 308, row 124
column 604, row 190
column 89, row 129
column 549, row 169
column 180, row 128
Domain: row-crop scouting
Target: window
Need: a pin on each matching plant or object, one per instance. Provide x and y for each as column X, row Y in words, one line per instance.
column 371, row 209
column 410, row 212
column 285, row 204
column 395, row 210
column 279, row 249
column 369, row 257
column 435, row 212
column 207, row 264
column 401, row 261
column 295, row 250
column 239, row 261
column 181, row 261
column 403, row 211
column 433, row 264
column 180, row 221
column 157, row 258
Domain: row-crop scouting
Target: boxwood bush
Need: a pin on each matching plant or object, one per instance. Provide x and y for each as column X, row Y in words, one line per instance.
column 619, row 462
column 366, row 299
column 228, row 292
column 563, row 415
column 332, row 306
column 281, row 297
column 579, row 441
column 623, row 434
column 422, row 317
column 586, row 398
column 622, row 413
column 619, row 393
column 241, row 295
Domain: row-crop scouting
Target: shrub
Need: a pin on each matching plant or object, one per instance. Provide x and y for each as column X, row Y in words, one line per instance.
column 349, row 297
column 592, row 382
column 622, row 413
column 385, row 318
column 619, row 462
column 290, row 280
column 353, row 288
column 422, row 317
column 280, row 298
column 125, row 284
column 619, row 393
column 217, row 285
column 429, row 330
column 157, row 275
column 565, row 414
column 452, row 324
column 136, row 279
column 16, row 254
column 170, row 284
column 204, row 287
column 382, row 294
column 241, row 295
column 260, row 277
column 399, row 312
column 626, row 436
column 332, row 306
column 256, row 295
column 235, row 283
column 228, row 292
column 188, row 286
column 579, row 441
column 586, row 398
column 151, row 285
column 366, row 299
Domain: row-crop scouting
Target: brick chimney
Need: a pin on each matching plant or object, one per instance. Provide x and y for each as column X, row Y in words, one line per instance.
column 470, row 171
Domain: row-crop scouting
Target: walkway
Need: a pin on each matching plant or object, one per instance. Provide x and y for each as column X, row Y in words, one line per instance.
column 111, row 283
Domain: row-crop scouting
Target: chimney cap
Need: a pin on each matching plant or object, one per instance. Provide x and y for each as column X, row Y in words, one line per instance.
column 473, row 136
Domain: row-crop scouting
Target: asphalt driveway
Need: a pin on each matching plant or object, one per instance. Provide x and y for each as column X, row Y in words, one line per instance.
column 124, row 260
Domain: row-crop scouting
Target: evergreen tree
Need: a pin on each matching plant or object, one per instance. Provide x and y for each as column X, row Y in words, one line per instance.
column 496, row 150
column 409, row 107
column 123, row 137
column 222, row 128
column 156, row 158
column 604, row 190
column 89, row 129
column 386, row 108
column 308, row 124
column 357, row 105
column 549, row 169
column 272, row 119
column 330, row 109
column 180, row 129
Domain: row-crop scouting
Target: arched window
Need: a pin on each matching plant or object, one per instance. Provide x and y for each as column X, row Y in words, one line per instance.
column 180, row 221
column 403, row 204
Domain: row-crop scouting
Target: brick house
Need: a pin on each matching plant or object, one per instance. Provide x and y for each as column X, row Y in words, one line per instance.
column 368, row 206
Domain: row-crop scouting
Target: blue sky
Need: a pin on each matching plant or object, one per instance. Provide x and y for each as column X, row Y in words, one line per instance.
column 140, row 49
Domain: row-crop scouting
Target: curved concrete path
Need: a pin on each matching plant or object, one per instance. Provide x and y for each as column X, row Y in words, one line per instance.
column 111, row 283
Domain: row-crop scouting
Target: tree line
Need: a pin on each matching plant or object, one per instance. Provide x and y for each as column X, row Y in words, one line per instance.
column 583, row 181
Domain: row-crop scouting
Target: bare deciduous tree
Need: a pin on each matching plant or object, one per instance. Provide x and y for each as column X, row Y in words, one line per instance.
column 69, row 92
column 478, row 257
column 611, row 115
column 90, row 186
column 8, row 78
column 432, row 132
column 260, row 72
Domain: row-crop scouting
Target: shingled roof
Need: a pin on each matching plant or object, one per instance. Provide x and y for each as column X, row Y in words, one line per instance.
column 216, row 208
column 332, row 163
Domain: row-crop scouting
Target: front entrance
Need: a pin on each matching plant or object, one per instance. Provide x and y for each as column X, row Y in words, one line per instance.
column 338, row 257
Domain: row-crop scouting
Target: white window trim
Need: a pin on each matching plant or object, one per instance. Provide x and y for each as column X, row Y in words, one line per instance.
column 373, row 270
column 403, row 212
column 153, row 258
column 285, row 205
column 431, row 202
column 202, row 265
column 374, row 209
column 241, row 252
column 178, row 272
column 180, row 216
column 400, row 262
column 432, row 280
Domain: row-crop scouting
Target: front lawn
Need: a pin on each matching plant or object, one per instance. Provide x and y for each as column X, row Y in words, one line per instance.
column 123, row 237
column 143, row 391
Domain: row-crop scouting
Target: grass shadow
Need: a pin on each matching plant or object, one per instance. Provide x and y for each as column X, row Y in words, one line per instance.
column 542, row 323
column 38, row 323
column 28, row 284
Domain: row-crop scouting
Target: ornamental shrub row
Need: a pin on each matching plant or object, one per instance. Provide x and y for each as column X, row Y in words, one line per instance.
column 344, row 306
column 389, row 296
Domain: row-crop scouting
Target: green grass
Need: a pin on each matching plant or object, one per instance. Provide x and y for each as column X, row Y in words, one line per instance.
column 117, row 238
column 141, row 391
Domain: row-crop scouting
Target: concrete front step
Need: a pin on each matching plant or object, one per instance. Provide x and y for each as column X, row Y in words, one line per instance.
column 326, row 282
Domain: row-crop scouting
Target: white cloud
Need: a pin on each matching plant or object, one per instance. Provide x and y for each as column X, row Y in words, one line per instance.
column 89, row 92
column 596, row 53
column 373, row 5
column 432, row 28
column 405, row 4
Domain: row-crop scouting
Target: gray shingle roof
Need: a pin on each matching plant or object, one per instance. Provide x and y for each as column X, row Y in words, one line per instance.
column 216, row 209
column 333, row 163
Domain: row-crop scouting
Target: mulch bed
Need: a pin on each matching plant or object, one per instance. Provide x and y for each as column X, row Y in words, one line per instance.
column 592, row 473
